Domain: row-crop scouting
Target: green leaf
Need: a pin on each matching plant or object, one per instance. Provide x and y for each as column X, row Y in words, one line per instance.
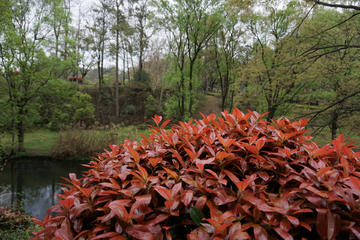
column 196, row 215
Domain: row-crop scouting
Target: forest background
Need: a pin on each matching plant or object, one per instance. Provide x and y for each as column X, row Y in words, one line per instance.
column 117, row 63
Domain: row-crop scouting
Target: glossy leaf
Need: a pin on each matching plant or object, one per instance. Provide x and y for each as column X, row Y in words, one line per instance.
column 196, row 215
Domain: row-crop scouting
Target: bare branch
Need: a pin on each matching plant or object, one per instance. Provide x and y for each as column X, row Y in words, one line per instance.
column 337, row 5
column 331, row 105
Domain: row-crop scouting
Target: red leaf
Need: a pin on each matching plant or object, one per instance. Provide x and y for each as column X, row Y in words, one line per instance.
column 356, row 231
column 177, row 155
column 187, row 197
column 154, row 161
column 165, row 193
column 65, row 226
column 134, row 153
column 200, row 203
column 221, row 228
column 67, row 203
column 118, row 208
column 118, row 238
column 140, row 232
column 158, row 219
column 61, row 234
column 232, row 176
column 325, row 223
column 190, row 153
column 165, row 123
column 260, row 233
column 294, row 221
column 81, row 234
column 81, row 208
column 242, row 185
column 264, row 175
column 105, row 235
column 143, row 200
column 285, row 235
column 101, row 228
column 355, row 182
column 322, row 172
column 172, row 173
column 144, row 138
column 260, row 143
column 157, row 119
column 235, row 232
column 285, row 224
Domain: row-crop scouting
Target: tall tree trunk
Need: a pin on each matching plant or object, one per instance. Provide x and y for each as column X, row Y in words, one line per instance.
column 334, row 125
column 20, row 130
column 124, row 68
column 271, row 110
column 99, row 72
column 141, row 47
column 128, row 69
column 102, row 62
column 117, row 75
column 191, row 88
column 117, row 59
column 232, row 100
column 182, row 92
column 162, row 88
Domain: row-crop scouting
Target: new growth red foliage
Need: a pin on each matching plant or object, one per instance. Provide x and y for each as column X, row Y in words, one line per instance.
column 236, row 178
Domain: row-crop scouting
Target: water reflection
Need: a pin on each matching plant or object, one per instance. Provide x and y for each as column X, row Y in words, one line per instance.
column 35, row 182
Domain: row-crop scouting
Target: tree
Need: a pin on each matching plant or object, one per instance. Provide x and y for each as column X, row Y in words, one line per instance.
column 275, row 73
column 99, row 33
column 140, row 14
column 88, row 56
column 190, row 25
column 337, row 72
column 226, row 48
column 119, row 27
column 59, row 21
column 24, row 65
column 156, row 65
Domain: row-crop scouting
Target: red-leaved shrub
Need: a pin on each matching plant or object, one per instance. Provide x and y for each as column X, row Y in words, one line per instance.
column 236, row 178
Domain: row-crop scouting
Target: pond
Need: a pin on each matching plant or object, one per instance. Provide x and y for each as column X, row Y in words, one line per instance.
column 35, row 182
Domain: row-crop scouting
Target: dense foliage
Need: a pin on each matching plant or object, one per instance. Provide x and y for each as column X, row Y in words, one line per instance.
column 240, row 177
column 15, row 224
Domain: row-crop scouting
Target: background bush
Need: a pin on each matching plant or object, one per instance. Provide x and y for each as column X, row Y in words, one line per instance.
column 16, row 225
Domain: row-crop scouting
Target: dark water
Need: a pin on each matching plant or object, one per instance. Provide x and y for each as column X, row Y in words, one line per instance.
column 35, row 183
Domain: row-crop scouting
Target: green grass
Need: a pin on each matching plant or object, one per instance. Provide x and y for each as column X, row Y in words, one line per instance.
column 218, row 94
column 41, row 142
column 77, row 143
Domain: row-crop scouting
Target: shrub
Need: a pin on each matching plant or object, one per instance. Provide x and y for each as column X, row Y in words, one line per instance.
column 133, row 97
column 240, row 177
column 15, row 224
column 83, row 108
column 151, row 106
column 143, row 77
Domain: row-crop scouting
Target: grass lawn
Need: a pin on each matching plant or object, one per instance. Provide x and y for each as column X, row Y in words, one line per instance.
column 39, row 142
